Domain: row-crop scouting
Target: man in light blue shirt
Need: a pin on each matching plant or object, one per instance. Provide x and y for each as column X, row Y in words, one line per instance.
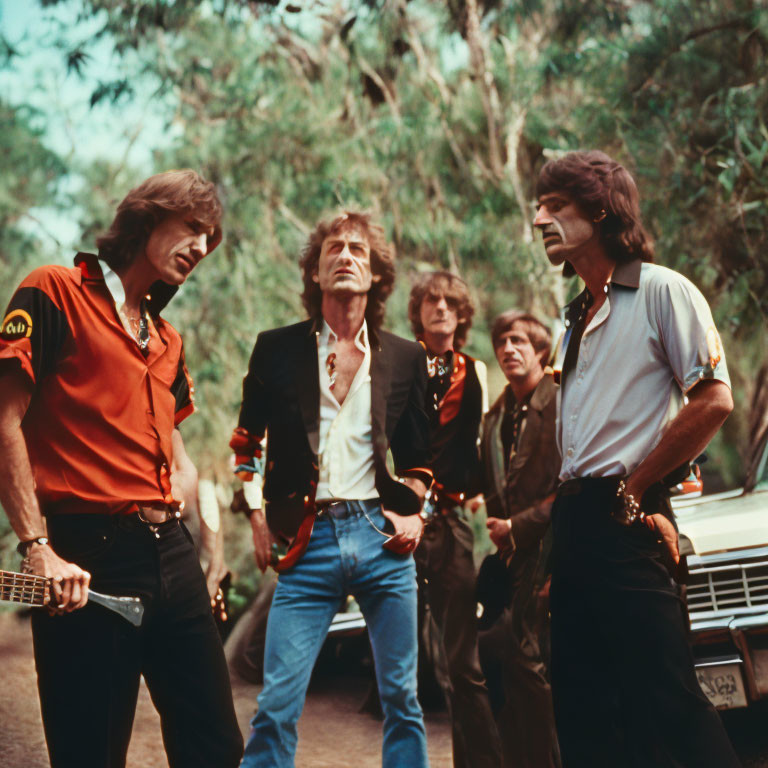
column 644, row 388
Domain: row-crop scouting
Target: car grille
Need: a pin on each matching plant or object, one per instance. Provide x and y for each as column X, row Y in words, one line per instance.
column 730, row 587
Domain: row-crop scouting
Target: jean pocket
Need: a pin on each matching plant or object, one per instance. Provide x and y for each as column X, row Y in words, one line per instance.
column 381, row 524
column 82, row 538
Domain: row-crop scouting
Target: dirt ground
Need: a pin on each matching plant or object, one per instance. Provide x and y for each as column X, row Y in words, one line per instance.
column 330, row 723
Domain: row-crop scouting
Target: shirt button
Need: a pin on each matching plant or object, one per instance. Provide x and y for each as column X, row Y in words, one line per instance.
column 569, row 452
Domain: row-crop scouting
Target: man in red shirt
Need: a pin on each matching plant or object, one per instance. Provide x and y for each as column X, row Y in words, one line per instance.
column 92, row 388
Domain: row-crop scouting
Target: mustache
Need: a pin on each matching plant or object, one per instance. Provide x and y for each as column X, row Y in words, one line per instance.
column 553, row 229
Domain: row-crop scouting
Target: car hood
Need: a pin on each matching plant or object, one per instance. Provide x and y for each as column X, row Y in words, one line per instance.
column 723, row 522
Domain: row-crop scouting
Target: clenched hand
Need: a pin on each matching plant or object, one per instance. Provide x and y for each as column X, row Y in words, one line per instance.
column 69, row 582
column 408, row 530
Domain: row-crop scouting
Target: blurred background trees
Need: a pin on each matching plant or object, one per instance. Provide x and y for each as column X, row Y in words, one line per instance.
column 435, row 115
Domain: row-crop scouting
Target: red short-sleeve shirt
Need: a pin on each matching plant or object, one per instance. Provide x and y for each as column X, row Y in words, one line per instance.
column 99, row 425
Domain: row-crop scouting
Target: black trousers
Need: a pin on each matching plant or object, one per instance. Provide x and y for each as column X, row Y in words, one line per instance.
column 89, row 662
column 623, row 680
column 446, row 577
column 512, row 659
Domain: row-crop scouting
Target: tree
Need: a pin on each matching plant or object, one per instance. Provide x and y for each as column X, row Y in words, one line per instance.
column 28, row 183
column 438, row 117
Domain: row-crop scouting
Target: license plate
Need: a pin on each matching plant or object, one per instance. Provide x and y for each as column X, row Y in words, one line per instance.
column 723, row 685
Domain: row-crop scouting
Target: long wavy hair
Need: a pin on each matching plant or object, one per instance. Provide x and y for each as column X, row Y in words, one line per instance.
column 182, row 192
column 600, row 186
column 382, row 264
column 455, row 290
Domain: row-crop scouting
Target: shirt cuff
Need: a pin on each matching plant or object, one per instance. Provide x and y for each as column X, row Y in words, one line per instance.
column 704, row 373
column 419, row 473
column 11, row 353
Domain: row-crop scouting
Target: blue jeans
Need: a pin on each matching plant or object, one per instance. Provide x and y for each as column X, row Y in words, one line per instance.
column 344, row 557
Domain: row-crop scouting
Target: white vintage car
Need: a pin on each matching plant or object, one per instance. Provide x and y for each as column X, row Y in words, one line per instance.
column 724, row 538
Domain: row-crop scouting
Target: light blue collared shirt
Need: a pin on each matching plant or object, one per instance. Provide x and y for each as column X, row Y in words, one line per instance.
column 650, row 342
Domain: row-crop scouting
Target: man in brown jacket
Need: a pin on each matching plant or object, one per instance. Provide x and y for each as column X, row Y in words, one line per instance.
column 520, row 461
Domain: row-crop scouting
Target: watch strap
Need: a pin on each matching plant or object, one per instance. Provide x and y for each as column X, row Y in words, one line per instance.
column 23, row 546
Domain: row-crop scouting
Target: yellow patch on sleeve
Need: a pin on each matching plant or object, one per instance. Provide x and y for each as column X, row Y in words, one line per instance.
column 17, row 325
column 714, row 347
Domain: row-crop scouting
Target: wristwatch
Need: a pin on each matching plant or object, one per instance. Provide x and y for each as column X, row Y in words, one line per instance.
column 427, row 511
column 23, row 546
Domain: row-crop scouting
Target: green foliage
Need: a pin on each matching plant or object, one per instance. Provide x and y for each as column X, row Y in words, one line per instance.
column 30, row 172
column 439, row 123
column 28, row 182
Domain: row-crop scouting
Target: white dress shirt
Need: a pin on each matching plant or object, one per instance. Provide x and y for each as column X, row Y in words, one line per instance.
column 346, row 445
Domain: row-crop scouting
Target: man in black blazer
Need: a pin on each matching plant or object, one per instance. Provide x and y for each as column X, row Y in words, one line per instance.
column 332, row 395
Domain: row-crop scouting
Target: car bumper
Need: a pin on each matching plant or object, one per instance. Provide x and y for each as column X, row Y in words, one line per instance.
column 731, row 656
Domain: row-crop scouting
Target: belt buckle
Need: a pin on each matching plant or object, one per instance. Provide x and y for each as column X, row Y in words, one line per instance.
column 328, row 509
column 168, row 515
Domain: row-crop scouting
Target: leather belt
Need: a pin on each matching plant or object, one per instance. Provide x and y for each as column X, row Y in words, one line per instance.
column 342, row 509
column 579, row 485
column 158, row 515
column 607, row 488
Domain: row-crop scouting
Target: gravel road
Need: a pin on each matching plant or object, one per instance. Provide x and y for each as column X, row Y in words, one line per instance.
column 332, row 733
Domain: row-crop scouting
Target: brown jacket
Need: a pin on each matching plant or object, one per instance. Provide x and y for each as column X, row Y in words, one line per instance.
column 533, row 469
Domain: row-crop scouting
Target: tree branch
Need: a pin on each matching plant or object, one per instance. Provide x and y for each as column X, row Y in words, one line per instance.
column 44, row 229
column 488, row 93
column 367, row 69
column 692, row 35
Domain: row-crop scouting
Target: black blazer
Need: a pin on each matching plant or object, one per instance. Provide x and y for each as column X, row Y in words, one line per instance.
column 281, row 397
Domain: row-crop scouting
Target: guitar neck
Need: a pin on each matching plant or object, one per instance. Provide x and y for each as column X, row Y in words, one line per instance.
column 23, row 588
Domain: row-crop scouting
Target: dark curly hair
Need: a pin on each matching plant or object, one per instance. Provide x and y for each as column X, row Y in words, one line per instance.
column 182, row 192
column 455, row 290
column 599, row 184
column 382, row 264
